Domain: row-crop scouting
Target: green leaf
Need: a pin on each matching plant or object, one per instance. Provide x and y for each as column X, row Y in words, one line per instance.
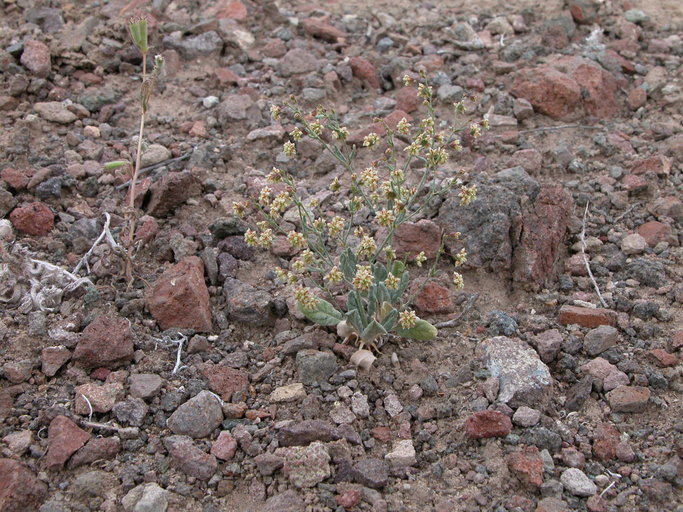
column 138, row 31
column 355, row 302
column 353, row 317
column 372, row 331
column 372, row 300
column 402, row 286
column 383, row 294
column 390, row 318
column 110, row 166
column 347, row 262
column 398, row 268
column 323, row 313
column 380, row 272
column 421, row 331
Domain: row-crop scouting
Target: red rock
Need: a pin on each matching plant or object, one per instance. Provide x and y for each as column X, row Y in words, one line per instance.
column 596, row 504
column 34, row 219
column 180, row 298
column 677, row 341
column 663, row 358
column 98, row 448
column 598, row 86
column 669, row 206
column 320, row 28
column 433, row 298
column 235, row 10
column 190, row 459
column 573, row 458
column 107, row 342
column 488, row 424
column 20, row 490
column 225, row 381
column 364, row 70
column 637, row 98
column 628, row 398
column 550, row 92
column 660, row 165
column 102, row 398
column 633, row 183
column 624, row 452
column 583, row 11
column 36, row 58
column 605, row 442
column 587, row 317
column 348, row 499
column 430, row 63
column 64, row 439
column 224, row 447
column 411, row 238
column 226, row 76
column 475, row 83
column 530, row 159
column 407, row 99
column 381, row 433
column 527, row 466
column 275, row 48
column 53, row 358
column 16, row 179
column 171, row 191
column 654, row 232
column 542, row 235
column 147, row 229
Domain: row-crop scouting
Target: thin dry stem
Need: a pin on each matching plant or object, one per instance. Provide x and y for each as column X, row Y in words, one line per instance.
column 585, row 259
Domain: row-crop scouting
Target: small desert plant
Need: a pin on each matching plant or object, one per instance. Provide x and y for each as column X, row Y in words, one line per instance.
column 138, row 32
column 351, row 255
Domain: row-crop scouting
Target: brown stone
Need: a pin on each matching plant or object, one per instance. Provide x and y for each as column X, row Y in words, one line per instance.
column 34, row 219
column 654, row 232
column 637, row 98
column 527, row 466
column 180, row 298
column 15, row 178
column 550, row 91
column 64, row 439
column 107, row 341
column 542, row 235
column 628, row 398
column 659, row 164
column 225, row 381
column 20, row 490
column 605, row 442
column 190, row 459
column 98, row 448
column 488, row 424
column 587, row 317
column 36, row 58
column 411, row 238
column 320, row 28
column 407, row 99
column 171, row 191
column 364, row 70
column 433, row 298
column 224, row 447
column 53, row 358
column 662, row 357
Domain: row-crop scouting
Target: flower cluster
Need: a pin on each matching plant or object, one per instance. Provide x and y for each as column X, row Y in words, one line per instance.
column 345, row 253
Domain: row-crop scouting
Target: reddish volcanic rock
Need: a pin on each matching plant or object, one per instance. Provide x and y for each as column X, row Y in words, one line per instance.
column 488, row 424
column 64, row 439
column 107, row 341
column 34, row 219
column 20, row 490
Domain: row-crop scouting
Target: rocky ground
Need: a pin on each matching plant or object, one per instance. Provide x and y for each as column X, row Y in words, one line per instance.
column 541, row 394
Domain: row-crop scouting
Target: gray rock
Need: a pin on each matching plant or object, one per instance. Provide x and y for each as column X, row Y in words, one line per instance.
column 146, row 498
column 577, row 483
column 600, row 339
column 315, row 367
column 247, row 304
column 402, row 455
column 288, row 501
column 196, row 46
column 524, row 378
column 298, row 61
column 359, row 404
column 392, row 405
column 307, row 431
column 306, row 466
column 55, row 111
column 649, row 272
column 370, row 473
column 636, row 16
column 501, row 324
column 268, row 463
column 145, row 385
column 543, row 439
column 450, row 93
column 154, row 154
column 633, row 244
column 548, row 344
column 197, row 417
column 234, row 107
column 526, row 416
column 131, row 411
column 93, row 483
column 7, row 202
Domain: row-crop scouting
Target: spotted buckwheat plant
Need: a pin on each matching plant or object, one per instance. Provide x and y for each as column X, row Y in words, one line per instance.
column 347, row 258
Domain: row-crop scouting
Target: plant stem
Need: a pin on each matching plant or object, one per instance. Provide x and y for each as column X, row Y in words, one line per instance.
column 133, row 183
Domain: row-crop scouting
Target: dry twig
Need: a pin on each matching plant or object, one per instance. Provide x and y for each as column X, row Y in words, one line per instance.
column 585, row 258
